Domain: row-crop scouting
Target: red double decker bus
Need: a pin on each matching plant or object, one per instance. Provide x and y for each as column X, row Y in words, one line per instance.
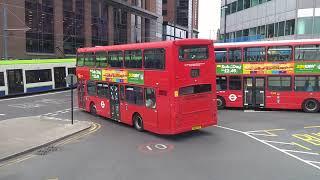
column 270, row 74
column 163, row 87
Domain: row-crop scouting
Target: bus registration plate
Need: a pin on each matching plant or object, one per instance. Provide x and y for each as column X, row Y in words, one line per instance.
column 196, row 128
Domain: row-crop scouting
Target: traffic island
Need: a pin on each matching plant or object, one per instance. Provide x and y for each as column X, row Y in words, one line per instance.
column 26, row 134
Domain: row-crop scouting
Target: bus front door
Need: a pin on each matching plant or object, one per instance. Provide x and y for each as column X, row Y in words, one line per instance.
column 114, row 101
column 81, row 95
column 254, row 92
column 15, row 81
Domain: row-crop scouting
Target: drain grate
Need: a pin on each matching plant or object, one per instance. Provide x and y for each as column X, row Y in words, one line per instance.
column 46, row 150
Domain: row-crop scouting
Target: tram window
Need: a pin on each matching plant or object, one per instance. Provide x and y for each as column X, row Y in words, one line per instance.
column 193, row 53
column 307, row 52
column 235, row 55
column 221, row 55
column 103, row 90
column 221, row 83
column 1, row 79
column 154, row 59
column 89, row 60
column 255, row 54
column 72, row 71
column 195, row 89
column 134, row 95
column 80, row 59
column 133, row 59
column 115, row 58
column 279, row 53
column 101, row 59
column 235, row 83
column 306, row 83
column 279, row 83
column 150, row 98
column 35, row 76
column 91, row 88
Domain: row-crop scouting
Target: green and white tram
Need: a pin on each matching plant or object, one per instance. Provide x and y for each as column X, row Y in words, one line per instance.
column 31, row 76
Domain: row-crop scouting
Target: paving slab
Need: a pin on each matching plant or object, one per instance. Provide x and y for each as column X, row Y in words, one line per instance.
column 21, row 135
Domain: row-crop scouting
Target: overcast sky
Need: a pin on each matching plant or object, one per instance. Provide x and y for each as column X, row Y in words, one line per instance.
column 209, row 18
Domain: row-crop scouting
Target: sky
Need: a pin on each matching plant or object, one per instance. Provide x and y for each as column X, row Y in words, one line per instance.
column 209, row 18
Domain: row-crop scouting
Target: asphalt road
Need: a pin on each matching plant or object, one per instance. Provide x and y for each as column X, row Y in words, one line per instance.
column 246, row 145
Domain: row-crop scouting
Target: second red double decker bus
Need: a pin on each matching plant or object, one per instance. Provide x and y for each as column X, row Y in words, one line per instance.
column 163, row 87
column 269, row 74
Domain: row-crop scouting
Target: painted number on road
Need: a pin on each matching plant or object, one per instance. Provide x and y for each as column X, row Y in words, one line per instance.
column 155, row 148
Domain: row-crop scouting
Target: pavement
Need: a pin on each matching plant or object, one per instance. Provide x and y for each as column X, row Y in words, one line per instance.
column 21, row 135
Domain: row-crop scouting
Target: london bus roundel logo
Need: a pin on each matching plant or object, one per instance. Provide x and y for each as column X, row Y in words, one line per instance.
column 103, row 105
column 232, row 97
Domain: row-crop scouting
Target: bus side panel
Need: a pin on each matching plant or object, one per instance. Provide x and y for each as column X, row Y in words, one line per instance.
column 230, row 100
column 281, row 100
column 103, row 107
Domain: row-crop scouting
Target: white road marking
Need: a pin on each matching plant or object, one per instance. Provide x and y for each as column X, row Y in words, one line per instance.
column 302, row 152
column 38, row 95
column 272, row 146
column 314, row 162
column 277, row 142
column 2, row 114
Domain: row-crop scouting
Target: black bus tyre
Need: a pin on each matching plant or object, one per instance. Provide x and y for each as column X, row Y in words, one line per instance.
column 221, row 103
column 93, row 109
column 310, row 106
column 138, row 122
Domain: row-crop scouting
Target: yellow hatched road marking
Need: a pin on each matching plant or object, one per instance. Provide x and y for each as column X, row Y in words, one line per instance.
column 268, row 132
column 309, row 127
column 303, row 147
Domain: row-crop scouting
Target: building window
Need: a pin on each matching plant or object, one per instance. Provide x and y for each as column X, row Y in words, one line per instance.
column 154, row 58
column 307, row 53
column 306, row 83
column 234, row 7
column 39, row 17
column 221, row 55
column 91, row 88
column 120, row 26
column 246, row 4
column 316, row 29
column 255, row 54
column 164, row 12
column 73, row 26
column 134, row 95
column 270, row 30
column 235, row 83
column 235, row 55
column 103, row 90
column 2, row 79
column 133, row 59
column 279, row 83
column 305, row 25
column 254, row 2
column 72, row 71
column 279, row 53
column 99, row 23
column 221, row 83
column 35, row 76
column 281, row 28
column 290, row 25
column 150, row 98
column 240, row 5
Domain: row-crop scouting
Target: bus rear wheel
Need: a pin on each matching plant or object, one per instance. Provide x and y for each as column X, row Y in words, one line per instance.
column 221, row 103
column 310, row 106
column 138, row 122
column 93, row 109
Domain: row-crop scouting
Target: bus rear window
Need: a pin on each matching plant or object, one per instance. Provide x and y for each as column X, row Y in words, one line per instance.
column 195, row 89
column 191, row 53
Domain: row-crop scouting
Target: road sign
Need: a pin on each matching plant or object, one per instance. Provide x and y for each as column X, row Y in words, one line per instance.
column 71, row 79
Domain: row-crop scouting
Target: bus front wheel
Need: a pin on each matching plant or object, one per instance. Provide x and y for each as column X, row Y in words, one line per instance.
column 138, row 122
column 221, row 103
column 93, row 109
column 310, row 106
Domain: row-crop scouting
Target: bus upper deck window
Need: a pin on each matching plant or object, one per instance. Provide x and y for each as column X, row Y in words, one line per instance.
column 80, row 59
column 192, row 53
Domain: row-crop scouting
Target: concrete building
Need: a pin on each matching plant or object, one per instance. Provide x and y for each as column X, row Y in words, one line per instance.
column 180, row 19
column 250, row 20
column 55, row 28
